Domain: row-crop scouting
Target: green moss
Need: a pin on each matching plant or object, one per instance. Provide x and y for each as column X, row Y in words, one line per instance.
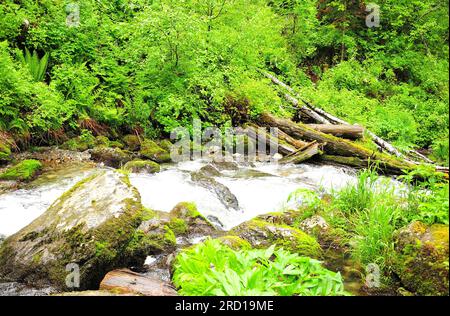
column 132, row 142
column 235, row 242
column 166, row 145
column 151, row 150
column 23, row 171
column 158, row 240
column 263, row 234
column 187, row 209
column 78, row 144
column 142, row 165
column 5, row 151
column 178, row 226
column 116, row 144
column 102, row 141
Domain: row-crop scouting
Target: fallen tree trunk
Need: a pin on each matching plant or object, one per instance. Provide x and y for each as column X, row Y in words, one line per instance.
column 303, row 154
column 362, row 163
column 345, row 131
column 313, row 115
column 260, row 135
column 298, row 144
column 333, row 145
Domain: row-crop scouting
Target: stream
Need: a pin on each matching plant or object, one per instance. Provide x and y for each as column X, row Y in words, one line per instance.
column 259, row 188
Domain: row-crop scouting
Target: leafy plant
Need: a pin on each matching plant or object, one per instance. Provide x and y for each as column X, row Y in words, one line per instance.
column 211, row 268
column 37, row 66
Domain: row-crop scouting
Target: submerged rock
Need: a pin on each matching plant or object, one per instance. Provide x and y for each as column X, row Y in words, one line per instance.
column 124, row 281
column 151, row 150
column 142, row 166
column 112, row 157
column 262, row 234
column 210, row 171
column 23, row 171
column 223, row 193
column 422, row 258
column 89, row 225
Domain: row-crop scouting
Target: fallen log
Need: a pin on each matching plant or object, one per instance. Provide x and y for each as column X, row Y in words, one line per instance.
column 298, row 144
column 260, row 135
column 313, row 115
column 332, row 145
column 344, row 131
column 303, row 154
column 359, row 163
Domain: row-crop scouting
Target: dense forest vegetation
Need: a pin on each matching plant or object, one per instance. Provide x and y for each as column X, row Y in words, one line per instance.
column 149, row 66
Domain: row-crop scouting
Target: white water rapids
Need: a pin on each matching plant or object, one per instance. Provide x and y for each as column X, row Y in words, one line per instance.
column 260, row 189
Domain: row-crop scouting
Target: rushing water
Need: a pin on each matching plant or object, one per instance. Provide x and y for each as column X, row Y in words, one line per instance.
column 259, row 189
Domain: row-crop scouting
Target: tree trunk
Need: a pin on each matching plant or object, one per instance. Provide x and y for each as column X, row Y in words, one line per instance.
column 259, row 134
column 332, row 144
column 345, row 131
column 303, row 154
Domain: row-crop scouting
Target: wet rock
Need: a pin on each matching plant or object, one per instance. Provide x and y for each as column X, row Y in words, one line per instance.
column 125, row 281
column 20, row 289
column 215, row 221
column 132, row 142
column 225, row 196
column 210, row 171
column 153, row 236
column 261, row 234
column 53, row 156
column 142, row 166
column 151, row 150
column 225, row 165
column 251, row 173
column 197, row 223
column 88, row 225
column 422, row 258
column 2, row 238
column 112, row 157
column 23, row 171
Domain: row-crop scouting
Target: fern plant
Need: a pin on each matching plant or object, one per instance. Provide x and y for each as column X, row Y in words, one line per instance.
column 37, row 66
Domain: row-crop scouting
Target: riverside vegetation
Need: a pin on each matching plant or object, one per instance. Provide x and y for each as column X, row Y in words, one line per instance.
column 110, row 88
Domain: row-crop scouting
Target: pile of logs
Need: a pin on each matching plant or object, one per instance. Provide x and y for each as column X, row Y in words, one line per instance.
column 330, row 139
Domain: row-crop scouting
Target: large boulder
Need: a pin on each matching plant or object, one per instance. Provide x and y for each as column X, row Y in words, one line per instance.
column 89, row 225
column 124, row 281
column 132, row 142
column 23, row 171
column 262, row 234
column 422, row 258
column 151, row 150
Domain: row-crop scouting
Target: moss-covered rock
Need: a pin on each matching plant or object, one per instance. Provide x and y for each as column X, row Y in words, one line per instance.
column 132, row 142
column 235, row 242
column 178, row 226
column 151, row 150
column 166, row 145
column 262, row 234
column 89, row 225
column 112, row 157
column 23, row 171
column 144, row 166
column 422, row 258
column 196, row 222
column 5, row 151
column 79, row 144
column 102, row 141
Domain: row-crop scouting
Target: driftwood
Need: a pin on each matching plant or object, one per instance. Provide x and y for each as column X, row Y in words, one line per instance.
column 345, row 131
column 333, row 145
column 305, row 153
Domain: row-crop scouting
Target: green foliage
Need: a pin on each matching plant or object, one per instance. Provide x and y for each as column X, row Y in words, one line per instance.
column 211, row 268
column 37, row 66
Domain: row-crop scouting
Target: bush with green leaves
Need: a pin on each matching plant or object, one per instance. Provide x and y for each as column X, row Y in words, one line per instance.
column 211, row 268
